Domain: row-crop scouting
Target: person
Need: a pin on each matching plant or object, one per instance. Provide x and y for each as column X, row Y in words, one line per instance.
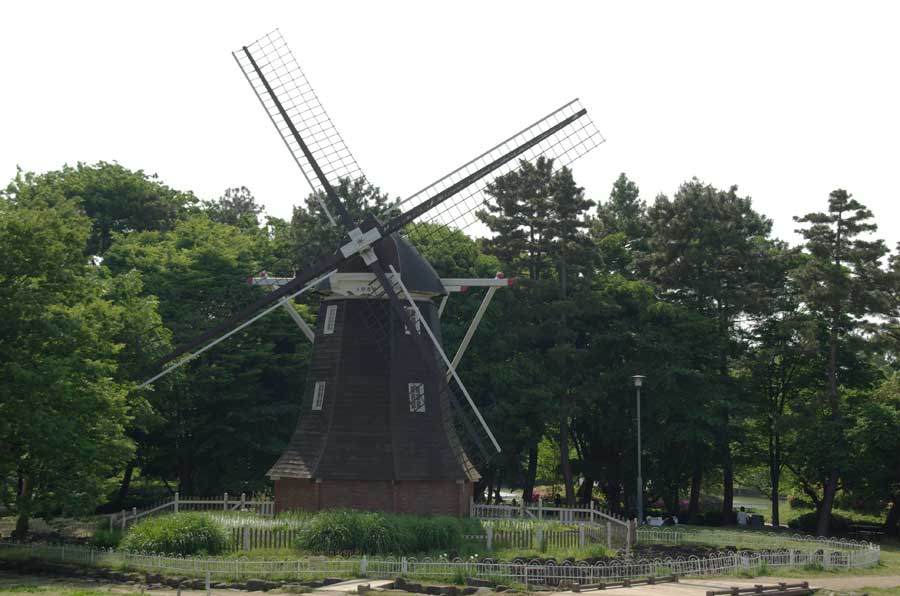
column 557, row 500
column 514, row 502
column 742, row 517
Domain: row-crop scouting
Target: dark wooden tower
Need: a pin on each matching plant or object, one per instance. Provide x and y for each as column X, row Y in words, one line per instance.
column 375, row 429
column 386, row 422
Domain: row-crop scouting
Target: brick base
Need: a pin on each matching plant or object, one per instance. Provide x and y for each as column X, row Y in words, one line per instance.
column 417, row 497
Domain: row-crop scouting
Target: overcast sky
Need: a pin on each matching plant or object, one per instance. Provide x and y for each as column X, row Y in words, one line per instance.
column 787, row 100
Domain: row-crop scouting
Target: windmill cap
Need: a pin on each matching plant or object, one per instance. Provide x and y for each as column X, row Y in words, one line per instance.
column 416, row 272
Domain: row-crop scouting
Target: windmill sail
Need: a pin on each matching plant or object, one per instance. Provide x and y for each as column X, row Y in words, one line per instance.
column 568, row 134
column 291, row 102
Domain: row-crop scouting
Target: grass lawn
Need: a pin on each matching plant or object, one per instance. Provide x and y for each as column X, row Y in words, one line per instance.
column 46, row 587
column 786, row 513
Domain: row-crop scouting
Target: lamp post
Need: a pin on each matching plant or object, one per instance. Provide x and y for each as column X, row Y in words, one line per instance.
column 638, row 380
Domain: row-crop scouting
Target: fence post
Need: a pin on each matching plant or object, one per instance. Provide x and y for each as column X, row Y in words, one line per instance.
column 404, row 566
column 176, row 501
column 540, row 538
column 134, row 513
column 225, row 502
column 362, row 565
column 592, row 510
column 627, row 537
column 540, row 508
column 245, row 538
column 490, row 537
column 207, row 583
column 581, row 535
column 471, row 505
column 243, row 501
column 609, row 535
column 123, row 519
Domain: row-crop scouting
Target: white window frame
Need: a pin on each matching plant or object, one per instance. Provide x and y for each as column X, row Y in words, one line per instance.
column 318, row 395
column 330, row 318
column 410, row 311
column 416, row 398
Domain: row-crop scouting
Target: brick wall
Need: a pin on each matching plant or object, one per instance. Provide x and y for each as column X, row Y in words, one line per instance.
column 419, row 497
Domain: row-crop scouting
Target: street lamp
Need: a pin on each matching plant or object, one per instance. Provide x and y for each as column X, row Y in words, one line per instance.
column 638, row 380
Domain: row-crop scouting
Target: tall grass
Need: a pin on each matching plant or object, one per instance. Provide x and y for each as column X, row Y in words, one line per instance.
column 362, row 532
column 177, row 534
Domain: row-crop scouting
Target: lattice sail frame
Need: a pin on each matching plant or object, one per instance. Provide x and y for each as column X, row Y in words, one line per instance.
column 563, row 147
column 277, row 64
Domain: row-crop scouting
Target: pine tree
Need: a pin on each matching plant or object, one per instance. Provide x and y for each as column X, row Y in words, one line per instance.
column 842, row 283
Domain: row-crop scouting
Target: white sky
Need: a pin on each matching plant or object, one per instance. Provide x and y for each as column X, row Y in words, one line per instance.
column 788, row 100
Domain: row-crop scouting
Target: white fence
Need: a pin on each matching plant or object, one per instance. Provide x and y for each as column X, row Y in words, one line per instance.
column 567, row 515
column 263, row 507
column 539, row 538
column 747, row 539
column 251, row 538
column 827, row 554
column 536, row 538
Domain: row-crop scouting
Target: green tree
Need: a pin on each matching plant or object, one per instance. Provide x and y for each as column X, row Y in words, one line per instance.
column 875, row 439
column 623, row 213
column 781, row 365
column 116, row 199
column 842, row 285
column 233, row 409
column 236, row 207
column 708, row 251
column 538, row 217
column 63, row 412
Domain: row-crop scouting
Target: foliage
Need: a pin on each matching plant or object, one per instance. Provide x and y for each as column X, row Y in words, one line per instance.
column 808, row 523
column 231, row 412
column 106, row 537
column 772, row 363
column 63, row 406
column 177, row 534
column 361, row 532
column 236, row 207
column 115, row 199
column 842, row 284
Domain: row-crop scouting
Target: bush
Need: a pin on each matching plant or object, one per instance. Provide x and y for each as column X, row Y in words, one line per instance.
column 362, row 532
column 808, row 521
column 105, row 538
column 795, row 502
column 177, row 534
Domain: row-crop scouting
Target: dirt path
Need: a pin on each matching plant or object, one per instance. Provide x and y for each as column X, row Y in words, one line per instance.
column 840, row 582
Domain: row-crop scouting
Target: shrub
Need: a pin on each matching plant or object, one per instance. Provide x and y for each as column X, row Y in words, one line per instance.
column 808, row 521
column 105, row 538
column 795, row 502
column 178, row 534
column 362, row 532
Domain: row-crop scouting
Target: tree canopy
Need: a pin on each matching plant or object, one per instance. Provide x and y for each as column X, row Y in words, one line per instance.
column 768, row 366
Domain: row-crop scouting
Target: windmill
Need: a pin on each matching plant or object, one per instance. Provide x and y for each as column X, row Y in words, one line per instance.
column 386, row 423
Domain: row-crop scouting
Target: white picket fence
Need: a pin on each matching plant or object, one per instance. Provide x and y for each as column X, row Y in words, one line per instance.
column 538, row 537
column 262, row 507
column 540, row 512
column 255, row 538
column 850, row 555
column 745, row 539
